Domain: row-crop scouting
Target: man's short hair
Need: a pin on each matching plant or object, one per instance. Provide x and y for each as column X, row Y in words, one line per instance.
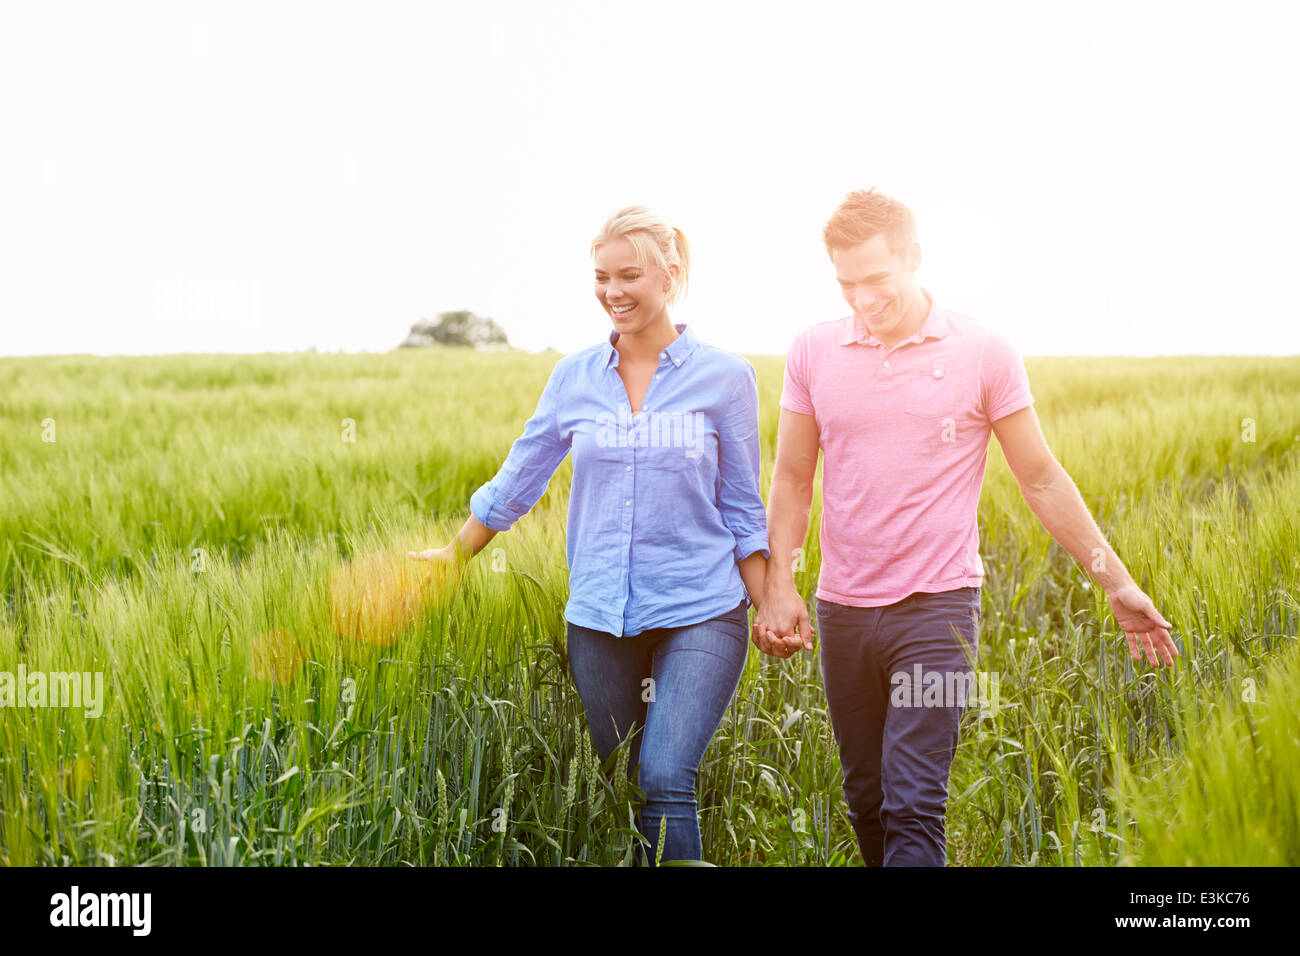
column 863, row 214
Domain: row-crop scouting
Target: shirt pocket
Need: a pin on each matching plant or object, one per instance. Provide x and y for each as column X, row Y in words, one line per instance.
column 679, row 446
column 933, row 389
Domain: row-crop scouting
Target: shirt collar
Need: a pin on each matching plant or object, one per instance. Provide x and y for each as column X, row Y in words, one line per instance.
column 935, row 326
column 676, row 350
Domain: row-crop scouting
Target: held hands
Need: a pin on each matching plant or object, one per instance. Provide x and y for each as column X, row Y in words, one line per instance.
column 1139, row 620
column 781, row 626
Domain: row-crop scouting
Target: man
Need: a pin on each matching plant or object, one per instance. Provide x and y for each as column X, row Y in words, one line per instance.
column 900, row 398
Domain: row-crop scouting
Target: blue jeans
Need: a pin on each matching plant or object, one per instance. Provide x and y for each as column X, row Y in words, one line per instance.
column 695, row 670
column 897, row 734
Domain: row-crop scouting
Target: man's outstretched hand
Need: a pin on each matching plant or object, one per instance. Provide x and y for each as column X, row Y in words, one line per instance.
column 1141, row 622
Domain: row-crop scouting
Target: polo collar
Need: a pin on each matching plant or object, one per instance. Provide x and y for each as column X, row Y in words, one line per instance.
column 935, row 326
column 676, row 351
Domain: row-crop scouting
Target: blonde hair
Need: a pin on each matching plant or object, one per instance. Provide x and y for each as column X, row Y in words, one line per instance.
column 865, row 213
column 654, row 240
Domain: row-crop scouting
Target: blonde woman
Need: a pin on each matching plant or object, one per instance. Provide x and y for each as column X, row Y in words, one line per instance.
column 667, row 535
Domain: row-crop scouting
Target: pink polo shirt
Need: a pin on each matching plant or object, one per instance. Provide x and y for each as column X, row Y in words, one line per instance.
column 904, row 435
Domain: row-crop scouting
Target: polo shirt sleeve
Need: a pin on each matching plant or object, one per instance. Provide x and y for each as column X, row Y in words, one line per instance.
column 739, row 457
column 1004, row 383
column 794, row 392
column 527, row 470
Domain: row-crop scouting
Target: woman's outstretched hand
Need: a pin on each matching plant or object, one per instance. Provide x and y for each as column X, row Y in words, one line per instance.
column 376, row 596
column 444, row 573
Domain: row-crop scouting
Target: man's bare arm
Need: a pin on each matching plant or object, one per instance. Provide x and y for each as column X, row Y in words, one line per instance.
column 1054, row 498
column 782, row 625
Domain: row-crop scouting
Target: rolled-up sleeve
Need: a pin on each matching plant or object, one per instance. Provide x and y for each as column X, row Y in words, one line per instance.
column 528, row 468
column 739, row 461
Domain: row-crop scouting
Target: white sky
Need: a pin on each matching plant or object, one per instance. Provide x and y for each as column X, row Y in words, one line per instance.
column 246, row 177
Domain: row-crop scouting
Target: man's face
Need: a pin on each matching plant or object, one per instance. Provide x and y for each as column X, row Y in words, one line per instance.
column 880, row 286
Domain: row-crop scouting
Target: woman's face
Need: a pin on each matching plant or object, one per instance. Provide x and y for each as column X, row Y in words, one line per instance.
column 633, row 296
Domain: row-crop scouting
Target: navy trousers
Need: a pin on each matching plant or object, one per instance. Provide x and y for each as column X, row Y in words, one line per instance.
column 897, row 679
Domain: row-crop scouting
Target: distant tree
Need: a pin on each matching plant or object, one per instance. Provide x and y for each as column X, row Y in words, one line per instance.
column 462, row 328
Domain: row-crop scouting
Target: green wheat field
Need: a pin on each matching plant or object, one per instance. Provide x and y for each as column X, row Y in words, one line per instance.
column 160, row 517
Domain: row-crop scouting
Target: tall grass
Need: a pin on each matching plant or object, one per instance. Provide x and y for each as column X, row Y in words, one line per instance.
column 1231, row 795
column 181, row 533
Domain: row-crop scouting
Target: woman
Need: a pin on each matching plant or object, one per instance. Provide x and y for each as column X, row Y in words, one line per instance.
column 666, row 532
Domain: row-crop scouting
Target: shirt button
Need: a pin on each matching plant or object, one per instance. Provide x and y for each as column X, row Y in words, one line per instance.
column 629, row 467
column 663, row 355
column 886, row 365
column 627, row 503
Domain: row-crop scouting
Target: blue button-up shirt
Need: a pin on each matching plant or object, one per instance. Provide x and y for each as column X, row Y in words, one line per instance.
column 663, row 503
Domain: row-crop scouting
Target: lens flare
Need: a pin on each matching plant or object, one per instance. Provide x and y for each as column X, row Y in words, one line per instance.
column 76, row 776
column 276, row 656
